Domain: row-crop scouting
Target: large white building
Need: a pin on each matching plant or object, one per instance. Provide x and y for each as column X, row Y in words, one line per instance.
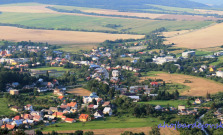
column 161, row 60
column 188, row 54
column 219, row 74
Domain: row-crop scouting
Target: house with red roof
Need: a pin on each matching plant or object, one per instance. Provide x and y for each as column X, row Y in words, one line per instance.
column 70, row 120
column 8, row 126
column 17, row 117
column 155, row 84
column 84, row 117
column 72, row 104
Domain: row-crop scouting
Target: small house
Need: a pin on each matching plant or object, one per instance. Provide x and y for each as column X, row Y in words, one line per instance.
column 84, row 117
column 107, row 110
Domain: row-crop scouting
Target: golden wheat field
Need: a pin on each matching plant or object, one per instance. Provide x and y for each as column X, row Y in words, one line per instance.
column 198, row 87
column 59, row 37
column 202, row 38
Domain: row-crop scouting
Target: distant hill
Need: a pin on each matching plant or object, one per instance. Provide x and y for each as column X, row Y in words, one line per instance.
column 211, row 2
column 115, row 4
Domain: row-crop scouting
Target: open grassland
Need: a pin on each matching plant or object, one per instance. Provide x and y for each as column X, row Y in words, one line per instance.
column 79, row 91
column 76, row 48
column 220, row 60
column 118, row 131
column 198, row 87
column 52, row 68
column 76, row 22
column 111, row 126
column 203, row 38
column 164, row 103
column 59, row 37
column 4, row 108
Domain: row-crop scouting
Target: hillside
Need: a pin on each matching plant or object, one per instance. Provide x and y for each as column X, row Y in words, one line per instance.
column 112, row 4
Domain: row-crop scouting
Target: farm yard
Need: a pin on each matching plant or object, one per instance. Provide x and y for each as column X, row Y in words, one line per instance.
column 203, row 38
column 197, row 87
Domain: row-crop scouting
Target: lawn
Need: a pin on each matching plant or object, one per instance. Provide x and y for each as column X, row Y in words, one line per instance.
column 110, row 122
column 152, row 73
column 203, row 53
column 220, row 60
column 52, row 68
column 90, row 23
column 164, row 103
column 4, row 109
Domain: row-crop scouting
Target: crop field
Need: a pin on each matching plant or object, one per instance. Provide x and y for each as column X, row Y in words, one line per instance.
column 198, row 86
column 59, row 37
column 79, row 91
column 89, row 23
column 203, row 38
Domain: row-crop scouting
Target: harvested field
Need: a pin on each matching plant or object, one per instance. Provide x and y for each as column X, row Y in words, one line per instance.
column 118, row 131
column 203, row 38
column 27, row 9
column 79, row 91
column 174, row 33
column 198, row 87
column 115, row 12
column 59, row 37
column 188, row 17
column 209, row 11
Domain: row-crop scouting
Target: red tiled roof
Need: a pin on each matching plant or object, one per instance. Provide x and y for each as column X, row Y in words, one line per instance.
column 71, row 104
column 61, row 97
column 58, row 114
column 17, row 117
column 8, row 126
column 83, row 116
column 69, row 119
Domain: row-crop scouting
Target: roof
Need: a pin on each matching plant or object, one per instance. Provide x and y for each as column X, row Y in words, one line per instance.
column 83, row 116
column 72, row 104
column 61, row 97
column 69, row 119
column 154, row 83
column 17, row 117
column 106, row 103
column 58, row 114
column 8, row 126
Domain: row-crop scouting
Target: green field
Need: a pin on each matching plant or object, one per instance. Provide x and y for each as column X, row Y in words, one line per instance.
column 4, row 109
column 164, row 103
column 58, row 21
column 52, row 68
column 220, row 60
column 110, row 122
column 172, row 10
column 152, row 73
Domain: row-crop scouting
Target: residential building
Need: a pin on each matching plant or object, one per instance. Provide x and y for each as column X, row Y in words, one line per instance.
column 84, row 117
column 14, row 92
column 188, row 54
column 107, row 110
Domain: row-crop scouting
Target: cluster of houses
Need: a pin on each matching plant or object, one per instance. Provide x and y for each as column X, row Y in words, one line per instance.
column 29, row 117
column 95, row 54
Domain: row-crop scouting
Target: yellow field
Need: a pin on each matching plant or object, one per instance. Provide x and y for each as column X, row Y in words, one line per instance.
column 59, row 37
column 209, row 11
column 203, row 38
column 115, row 12
column 27, row 9
column 79, row 91
column 198, row 87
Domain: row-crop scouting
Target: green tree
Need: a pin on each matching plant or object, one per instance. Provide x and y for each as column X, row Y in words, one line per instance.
column 155, row 131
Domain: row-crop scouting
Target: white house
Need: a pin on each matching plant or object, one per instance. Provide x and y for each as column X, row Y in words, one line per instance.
column 158, row 107
column 219, row 74
column 98, row 114
column 107, row 110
